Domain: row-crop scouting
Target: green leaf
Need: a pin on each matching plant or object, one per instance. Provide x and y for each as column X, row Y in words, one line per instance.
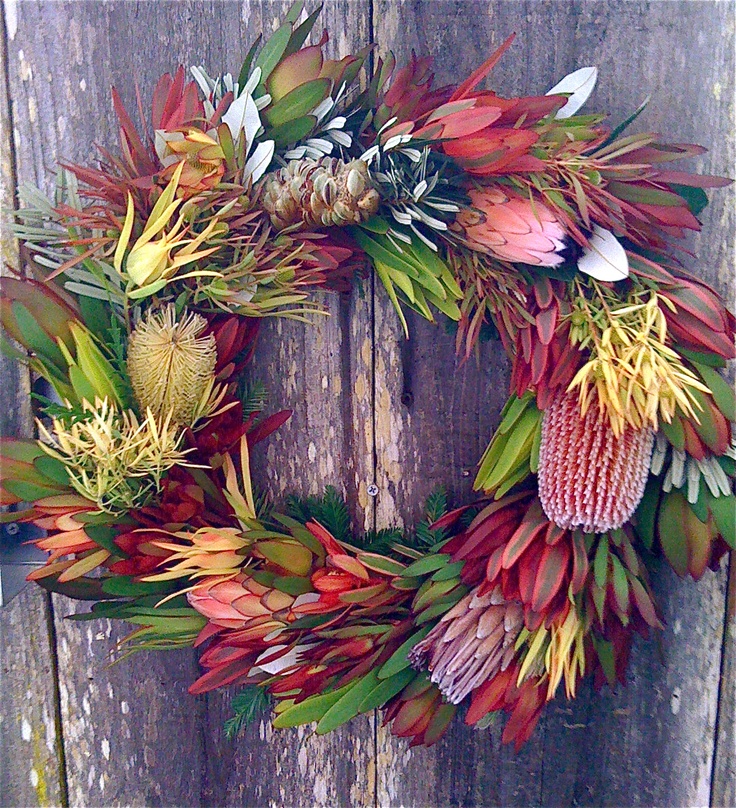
column 450, row 571
column 292, row 131
column 348, row 706
column 600, row 563
column 290, row 556
column 399, row 660
column 620, row 585
column 292, row 585
column 28, row 492
column 247, row 705
column 424, row 566
column 35, row 338
column 672, row 536
column 674, row 432
column 723, row 394
column 387, row 689
column 248, row 61
column 300, row 34
column 104, row 536
column 723, row 510
column 311, row 709
column 79, row 588
column 646, row 513
column 53, row 469
column 273, row 51
column 606, row 657
column 298, row 102
column 127, row 587
column 696, row 198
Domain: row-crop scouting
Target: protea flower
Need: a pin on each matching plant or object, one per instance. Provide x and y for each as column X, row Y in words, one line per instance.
column 472, row 642
column 589, row 477
column 171, row 364
column 201, row 154
column 512, row 228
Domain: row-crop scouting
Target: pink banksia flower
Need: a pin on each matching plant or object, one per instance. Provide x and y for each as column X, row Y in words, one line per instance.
column 589, row 477
column 473, row 642
column 512, row 228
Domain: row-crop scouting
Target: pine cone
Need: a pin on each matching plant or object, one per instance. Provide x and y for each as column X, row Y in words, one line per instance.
column 327, row 193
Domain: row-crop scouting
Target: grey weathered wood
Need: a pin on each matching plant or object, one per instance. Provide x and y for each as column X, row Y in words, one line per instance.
column 31, row 755
column 63, row 59
column 723, row 791
column 651, row 743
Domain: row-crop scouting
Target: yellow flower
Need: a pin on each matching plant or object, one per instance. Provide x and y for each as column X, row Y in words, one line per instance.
column 153, row 262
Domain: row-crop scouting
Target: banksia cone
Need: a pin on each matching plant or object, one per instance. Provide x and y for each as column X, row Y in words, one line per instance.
column 589, row 477
column 326, row 193
column 472, row 643
column 171, row 365
column 512, row 228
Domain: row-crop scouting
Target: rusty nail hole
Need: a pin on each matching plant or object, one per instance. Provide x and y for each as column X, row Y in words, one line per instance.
column 407, row 398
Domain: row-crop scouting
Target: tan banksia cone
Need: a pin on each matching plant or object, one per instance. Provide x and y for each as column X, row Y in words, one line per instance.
column 170, row 365
column 324, row 193
column 473, row 642
column 589, row 478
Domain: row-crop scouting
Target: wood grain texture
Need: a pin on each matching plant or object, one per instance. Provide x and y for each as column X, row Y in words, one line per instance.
column 723, row 790
column 121, row 723
column 31, row 758
column 652, row 742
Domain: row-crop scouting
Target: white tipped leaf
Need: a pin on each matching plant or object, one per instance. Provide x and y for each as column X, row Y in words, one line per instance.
column 259, row 161
column 605, row 259
column 579, row 84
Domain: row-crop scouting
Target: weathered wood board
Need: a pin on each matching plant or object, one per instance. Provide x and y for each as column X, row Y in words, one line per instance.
column 368, row 406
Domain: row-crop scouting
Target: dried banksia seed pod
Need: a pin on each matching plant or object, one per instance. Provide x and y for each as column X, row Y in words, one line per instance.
column 170, row 365
column 324, row 193
column 472, row 643
column 590, row 478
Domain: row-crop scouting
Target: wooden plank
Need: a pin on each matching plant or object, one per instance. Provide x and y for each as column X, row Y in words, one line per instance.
column 651, row 743
column 119, row 724
column 31, row 756
column 323, row 373
column 723, row 791
column 312, row 370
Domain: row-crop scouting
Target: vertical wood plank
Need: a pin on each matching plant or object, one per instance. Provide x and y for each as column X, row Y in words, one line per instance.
column 323, row 373
column 723, row 790
column 651, row 743
column 120, row 724
column 31, row 758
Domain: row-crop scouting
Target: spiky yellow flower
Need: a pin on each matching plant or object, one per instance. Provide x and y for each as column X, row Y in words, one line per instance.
column 111, row 457
column 558, row 651
column 171, row 365
column 632, row 374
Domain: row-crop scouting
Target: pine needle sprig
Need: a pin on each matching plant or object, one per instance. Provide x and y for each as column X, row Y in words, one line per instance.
column 250, row 704
column 329, row 510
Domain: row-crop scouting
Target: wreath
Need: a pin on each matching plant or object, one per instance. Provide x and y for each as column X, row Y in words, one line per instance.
column 521, row 218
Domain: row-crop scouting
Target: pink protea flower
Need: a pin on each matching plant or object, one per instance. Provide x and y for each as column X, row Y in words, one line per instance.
column 589, row 478
column 472, row 643
column 512, row 228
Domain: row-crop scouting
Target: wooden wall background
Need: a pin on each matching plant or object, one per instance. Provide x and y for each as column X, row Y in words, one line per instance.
column 368, row 407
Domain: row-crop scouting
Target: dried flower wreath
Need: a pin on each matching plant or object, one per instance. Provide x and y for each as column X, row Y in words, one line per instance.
column 151, row 273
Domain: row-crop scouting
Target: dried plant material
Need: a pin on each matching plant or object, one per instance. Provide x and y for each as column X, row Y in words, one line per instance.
column 171, row 365
column 323, row 193
column 589, row 476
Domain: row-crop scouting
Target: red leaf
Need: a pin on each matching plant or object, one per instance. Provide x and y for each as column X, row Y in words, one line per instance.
column 551, row 572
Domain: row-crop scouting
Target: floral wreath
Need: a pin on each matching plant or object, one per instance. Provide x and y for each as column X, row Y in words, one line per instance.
column 520, row 217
